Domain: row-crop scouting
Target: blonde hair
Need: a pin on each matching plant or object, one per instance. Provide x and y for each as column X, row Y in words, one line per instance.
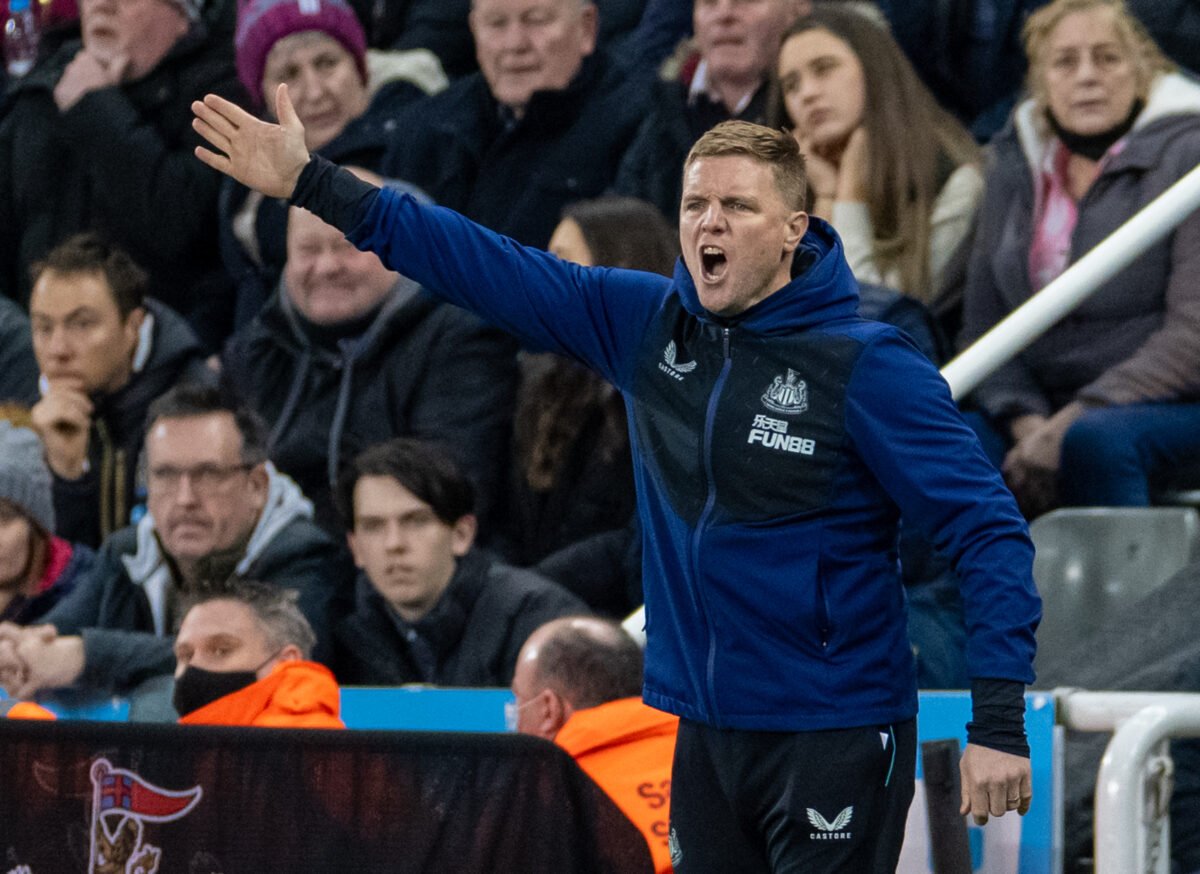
column 774, row 148
column 1148, row 59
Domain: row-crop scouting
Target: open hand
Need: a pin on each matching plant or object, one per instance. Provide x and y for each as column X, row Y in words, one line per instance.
column 264, row 156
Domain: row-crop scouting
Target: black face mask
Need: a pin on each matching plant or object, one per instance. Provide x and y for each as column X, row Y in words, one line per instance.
column 1093, row 146
column 196, row 687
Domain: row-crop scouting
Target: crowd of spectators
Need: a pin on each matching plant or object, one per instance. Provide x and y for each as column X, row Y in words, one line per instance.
column 200, row 384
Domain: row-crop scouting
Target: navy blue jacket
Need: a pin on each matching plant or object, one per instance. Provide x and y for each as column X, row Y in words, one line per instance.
column 773, row 455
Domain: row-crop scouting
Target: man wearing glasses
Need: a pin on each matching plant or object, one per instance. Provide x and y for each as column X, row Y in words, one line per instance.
column 216, row 510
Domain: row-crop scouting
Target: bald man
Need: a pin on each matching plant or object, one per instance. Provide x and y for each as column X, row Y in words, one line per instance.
column 578, row 682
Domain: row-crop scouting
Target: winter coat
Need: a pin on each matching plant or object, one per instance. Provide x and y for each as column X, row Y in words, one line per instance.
column 475, row 630
column 119, row 162
column 422, row 369
column 774, row 453
column 89, row 509
column 1137, row 339
column 517, row 180
column 123, row 608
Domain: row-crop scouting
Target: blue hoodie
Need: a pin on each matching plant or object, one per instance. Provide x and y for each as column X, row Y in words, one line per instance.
column 774, row 453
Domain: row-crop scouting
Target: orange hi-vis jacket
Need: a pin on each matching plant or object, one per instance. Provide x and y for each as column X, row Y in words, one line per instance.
column 627, row 748
column 24, row 710
column 296, row 694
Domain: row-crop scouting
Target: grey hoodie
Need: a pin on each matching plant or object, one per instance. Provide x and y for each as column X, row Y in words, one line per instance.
column 121, row 609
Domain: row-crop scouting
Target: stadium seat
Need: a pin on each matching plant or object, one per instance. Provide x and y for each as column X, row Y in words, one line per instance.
column 1094, row 563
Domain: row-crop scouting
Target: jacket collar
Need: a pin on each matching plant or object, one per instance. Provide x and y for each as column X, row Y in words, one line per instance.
column 557, row 108
column 613, row 724
column 294, row 690
column 443, row 626
column 404, row 304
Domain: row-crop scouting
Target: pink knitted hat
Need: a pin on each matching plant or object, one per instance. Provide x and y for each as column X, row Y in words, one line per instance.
column 262, row 23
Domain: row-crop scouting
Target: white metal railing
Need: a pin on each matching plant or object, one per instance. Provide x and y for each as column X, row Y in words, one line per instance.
column 1029, row 321
column 1133, row 788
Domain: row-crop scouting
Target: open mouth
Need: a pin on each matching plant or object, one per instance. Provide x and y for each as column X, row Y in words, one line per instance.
column 713, row 263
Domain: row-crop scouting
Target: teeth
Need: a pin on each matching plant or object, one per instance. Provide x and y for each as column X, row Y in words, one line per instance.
column 711, row 250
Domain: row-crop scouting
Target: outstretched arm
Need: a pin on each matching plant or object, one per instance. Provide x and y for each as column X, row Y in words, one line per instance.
column 263, row 156
column 595, row 315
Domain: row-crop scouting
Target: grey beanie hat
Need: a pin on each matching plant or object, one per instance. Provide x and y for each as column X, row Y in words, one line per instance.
column 24, row 477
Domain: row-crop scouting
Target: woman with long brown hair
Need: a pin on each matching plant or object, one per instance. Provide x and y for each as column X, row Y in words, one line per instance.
column 896, row 175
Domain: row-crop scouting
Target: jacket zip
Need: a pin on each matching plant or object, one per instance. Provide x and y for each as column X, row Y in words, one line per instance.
column 709, row 503
column 823, row 621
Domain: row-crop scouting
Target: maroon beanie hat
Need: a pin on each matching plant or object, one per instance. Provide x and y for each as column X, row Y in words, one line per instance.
column 262, row 23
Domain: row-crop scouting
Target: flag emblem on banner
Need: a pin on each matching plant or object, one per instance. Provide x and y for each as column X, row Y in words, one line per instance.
column 122, row 802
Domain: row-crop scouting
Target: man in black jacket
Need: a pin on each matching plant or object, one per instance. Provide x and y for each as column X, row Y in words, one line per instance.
column 98, row 137
column 105, row 352
column 216, row 509
column 431, row 609
column 545, row 122
column 347, row 354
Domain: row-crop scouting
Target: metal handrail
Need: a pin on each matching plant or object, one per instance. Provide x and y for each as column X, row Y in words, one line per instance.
column 1133, row 788
column 1078, row 282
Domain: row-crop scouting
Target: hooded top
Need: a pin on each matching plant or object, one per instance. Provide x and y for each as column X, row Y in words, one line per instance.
column 467, row 151
column 149, row 569
column 773, row 455
column 123, row 609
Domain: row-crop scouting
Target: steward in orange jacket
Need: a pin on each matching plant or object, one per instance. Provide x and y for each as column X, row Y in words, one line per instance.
column 627, row 748
column 296, row 694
